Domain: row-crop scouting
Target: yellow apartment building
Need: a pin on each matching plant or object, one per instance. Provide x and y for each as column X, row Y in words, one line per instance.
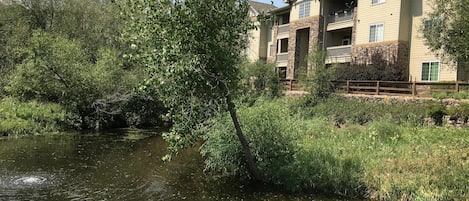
column 355, row 31
column 261, row 35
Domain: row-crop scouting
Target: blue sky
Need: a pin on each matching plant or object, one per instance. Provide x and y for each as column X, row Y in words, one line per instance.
column 278, row 3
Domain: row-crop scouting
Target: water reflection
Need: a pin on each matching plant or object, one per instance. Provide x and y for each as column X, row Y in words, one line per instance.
column 121, row 165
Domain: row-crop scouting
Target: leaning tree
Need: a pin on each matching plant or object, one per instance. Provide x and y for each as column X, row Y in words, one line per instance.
column 191, row 49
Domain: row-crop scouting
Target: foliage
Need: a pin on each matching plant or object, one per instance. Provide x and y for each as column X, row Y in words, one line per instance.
column 260, row 78
column 378, row 68
column 436, row 111
column 282, row 145
column 270, row 131
column 319, row 80
column 143, row 111
column 58, row 70
column 192, row 62
column 68, row 52
column 440, row 95
column 460, row 112
column 385, row 159
column 445, row 29
column 190, row 70
column 32, row 117
column 14, row 34
column 343, row 110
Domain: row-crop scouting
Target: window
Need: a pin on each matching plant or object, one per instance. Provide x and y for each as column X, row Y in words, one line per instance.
column 432, row 25
column 283, row 45
column 346, row 40
column 430, row 71
column 282, row 72
column 305, row 7
column 376, row 33
column 377, row 1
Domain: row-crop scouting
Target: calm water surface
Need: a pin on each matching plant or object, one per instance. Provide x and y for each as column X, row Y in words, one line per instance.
column 121, row 165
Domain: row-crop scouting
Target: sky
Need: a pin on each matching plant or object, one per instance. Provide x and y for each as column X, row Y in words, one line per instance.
column 278, row 3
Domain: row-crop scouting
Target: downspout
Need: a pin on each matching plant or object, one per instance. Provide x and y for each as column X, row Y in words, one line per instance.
column 324, row 26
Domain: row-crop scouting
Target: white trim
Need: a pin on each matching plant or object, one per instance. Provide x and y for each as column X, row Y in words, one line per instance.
column 369, row 32
column 378, row 3
column 429, row 62
column 306, row 9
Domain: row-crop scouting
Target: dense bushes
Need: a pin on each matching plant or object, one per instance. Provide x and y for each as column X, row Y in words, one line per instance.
column 348, row 110
column 281, row 144
column 259, row 78
column 389, row 155
column 377, row 67
column 32, row 117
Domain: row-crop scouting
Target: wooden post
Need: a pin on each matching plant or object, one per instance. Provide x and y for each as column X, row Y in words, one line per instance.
column 348, row 86
column 291, row 85
column 457, row 87
column 414, row 88
column 377, row 88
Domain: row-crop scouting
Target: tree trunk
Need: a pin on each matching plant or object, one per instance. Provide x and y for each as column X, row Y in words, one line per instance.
column 251, row 163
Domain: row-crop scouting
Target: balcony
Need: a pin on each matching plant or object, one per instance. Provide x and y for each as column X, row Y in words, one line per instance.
column 340, row 19
column 283, row 29
column 339, row 16
column 339, row 54
column 282, row 57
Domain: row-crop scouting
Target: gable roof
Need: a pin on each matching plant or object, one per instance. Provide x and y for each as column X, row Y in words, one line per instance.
column 261, row 7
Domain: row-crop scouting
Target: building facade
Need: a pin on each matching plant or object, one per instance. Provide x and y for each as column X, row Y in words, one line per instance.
column 355, row 31
column 261, row 35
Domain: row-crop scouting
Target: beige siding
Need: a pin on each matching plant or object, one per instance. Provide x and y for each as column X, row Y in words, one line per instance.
column 387, row 13
column 314, row 9
column 405, row 25
column 252, row 51
column 419, row 52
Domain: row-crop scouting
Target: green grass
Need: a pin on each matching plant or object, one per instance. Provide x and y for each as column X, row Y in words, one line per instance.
column 386, row 157
column 17, row 118
column 402, row 162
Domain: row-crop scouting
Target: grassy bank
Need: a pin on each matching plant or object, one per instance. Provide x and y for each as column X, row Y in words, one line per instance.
column 17, row 117
column 389, row 155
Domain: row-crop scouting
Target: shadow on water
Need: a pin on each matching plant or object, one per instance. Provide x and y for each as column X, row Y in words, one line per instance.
column 120, row 165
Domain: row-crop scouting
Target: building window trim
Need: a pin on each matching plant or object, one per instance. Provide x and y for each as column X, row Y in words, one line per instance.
column 304, row 9
column 377, row 35
column 377, row 2
column 430, row 68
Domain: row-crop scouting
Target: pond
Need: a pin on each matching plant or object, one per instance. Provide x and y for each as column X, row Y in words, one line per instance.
column 120, row 165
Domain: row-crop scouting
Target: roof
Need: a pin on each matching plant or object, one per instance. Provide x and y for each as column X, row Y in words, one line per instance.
column 261, row 7
column 281, row 9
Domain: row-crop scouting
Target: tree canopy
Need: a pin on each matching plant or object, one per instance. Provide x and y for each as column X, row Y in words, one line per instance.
column 446, row 29
column 192, row 50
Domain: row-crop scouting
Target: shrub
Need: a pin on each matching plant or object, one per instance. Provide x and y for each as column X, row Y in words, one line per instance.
column 459, row 95
column 285, row 149
column 355, row 111
column 377, row 68
column 440, row 95
column 32, row 117
column 436, row 111
column 259, row 78
column 271, row 133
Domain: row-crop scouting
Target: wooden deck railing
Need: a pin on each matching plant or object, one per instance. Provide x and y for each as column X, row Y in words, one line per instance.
column 397, row 88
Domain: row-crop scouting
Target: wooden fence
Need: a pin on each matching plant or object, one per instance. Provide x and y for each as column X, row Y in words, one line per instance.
column 395, row 88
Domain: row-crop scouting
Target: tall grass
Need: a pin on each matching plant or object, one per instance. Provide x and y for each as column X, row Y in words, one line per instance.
column 387, row 158
column 17, row 117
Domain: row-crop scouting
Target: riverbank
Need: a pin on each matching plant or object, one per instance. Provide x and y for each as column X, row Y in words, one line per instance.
column 33, row 117
column 380, row 151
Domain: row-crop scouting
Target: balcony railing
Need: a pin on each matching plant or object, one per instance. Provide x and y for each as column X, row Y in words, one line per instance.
column 284, row 28
column 339, row 51
column 340, row 16
column 282, row 57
